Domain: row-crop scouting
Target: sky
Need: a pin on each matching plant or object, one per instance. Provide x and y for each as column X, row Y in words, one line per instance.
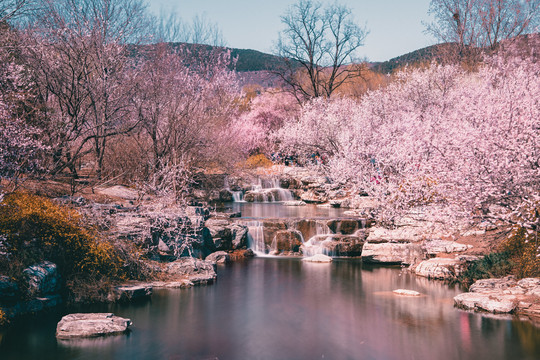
column 395, row 27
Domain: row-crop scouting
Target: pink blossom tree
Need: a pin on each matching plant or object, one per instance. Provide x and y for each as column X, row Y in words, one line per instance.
column 266, row 114
column 440, row 136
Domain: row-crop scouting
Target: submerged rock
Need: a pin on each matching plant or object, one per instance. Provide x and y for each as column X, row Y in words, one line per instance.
column 405, row 292
column 319, row 258
column 91, row 325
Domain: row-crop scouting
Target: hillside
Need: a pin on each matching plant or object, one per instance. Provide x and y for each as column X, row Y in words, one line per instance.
column 523, row 44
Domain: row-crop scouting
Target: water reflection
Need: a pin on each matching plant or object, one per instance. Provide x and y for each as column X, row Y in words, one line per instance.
column 289, row 309
column 277, row 210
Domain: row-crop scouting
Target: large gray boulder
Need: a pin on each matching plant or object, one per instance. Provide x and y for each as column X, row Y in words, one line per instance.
column 392, row 253
column 42, row 279
column 440, row 268
column 504, row 295
column 91, row 325
column 195, row 270
column 219, row 257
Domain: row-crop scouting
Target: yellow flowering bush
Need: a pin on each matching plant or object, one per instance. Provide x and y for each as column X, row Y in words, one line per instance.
column 38, row 229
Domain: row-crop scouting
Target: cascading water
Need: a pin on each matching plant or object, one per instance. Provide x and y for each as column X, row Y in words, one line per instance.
column 315, row 244
column 256, row 237
column 269, row 190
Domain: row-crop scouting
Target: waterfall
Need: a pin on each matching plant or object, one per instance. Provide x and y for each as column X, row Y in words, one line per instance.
column 269, row 190
column 256, row 237
column 315, row 244
column 238, row 196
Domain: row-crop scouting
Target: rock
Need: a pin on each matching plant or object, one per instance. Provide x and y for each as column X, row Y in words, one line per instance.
column 162, row 246
column 486, row 302
column 133, row 293
column 287, row 240
column 195, row 270
column 294, row 203
column 401, row 234
column 225, row 195
column 504, row 295
column 91, row 325
column 336, row 203
column 120, row 191
column 311, row 197
column 334, row 244
column 345, row 226
column 9, row 290
column 439, row 268
column 392, row 253
column 404, row 292
column 319, row 258
column 42, row 279
column 219, row 257
column 433, row 247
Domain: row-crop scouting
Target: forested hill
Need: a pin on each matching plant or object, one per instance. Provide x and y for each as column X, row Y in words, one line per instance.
column 523, row 44
column 256, row 61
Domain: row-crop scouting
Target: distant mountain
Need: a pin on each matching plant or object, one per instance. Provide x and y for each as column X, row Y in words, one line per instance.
column 520, row 45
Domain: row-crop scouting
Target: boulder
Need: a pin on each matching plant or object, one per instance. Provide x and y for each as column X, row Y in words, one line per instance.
column 392, row 253
column 318, row 258
column 195, row 270
column 119, row 191
column 486, row 302
column 287, row 240
column 133, row 293
column 434, row 247
column 219, row 257
column 311, row 197
column 345, row 226
column 91, row 325
column 440, row 268
column 42, row 279
column 503, row 295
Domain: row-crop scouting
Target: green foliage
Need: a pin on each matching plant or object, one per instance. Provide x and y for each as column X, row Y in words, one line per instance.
column 493, row 265
column 37, row 229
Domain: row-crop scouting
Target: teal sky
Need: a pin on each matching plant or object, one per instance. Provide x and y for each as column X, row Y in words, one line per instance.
column 395, row 26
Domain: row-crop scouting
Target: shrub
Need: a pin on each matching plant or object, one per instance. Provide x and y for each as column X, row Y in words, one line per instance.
column 256, row 161
column 523, row 247
column 3, row 318
column 493, row 265
column 36, row 229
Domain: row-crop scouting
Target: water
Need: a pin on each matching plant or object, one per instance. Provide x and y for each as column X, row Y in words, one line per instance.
column 288, row 309
column 277, row 210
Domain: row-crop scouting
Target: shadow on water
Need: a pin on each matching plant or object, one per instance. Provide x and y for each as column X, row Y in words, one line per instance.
column 289, row 309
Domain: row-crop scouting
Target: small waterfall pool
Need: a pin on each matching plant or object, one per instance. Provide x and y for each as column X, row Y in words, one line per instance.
column 276, row 308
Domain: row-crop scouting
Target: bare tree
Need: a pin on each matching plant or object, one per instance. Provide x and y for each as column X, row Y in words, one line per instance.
column 78, row 53
column 318, row 45
column 171, row 28
column 477, row 24
column 11, row 8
